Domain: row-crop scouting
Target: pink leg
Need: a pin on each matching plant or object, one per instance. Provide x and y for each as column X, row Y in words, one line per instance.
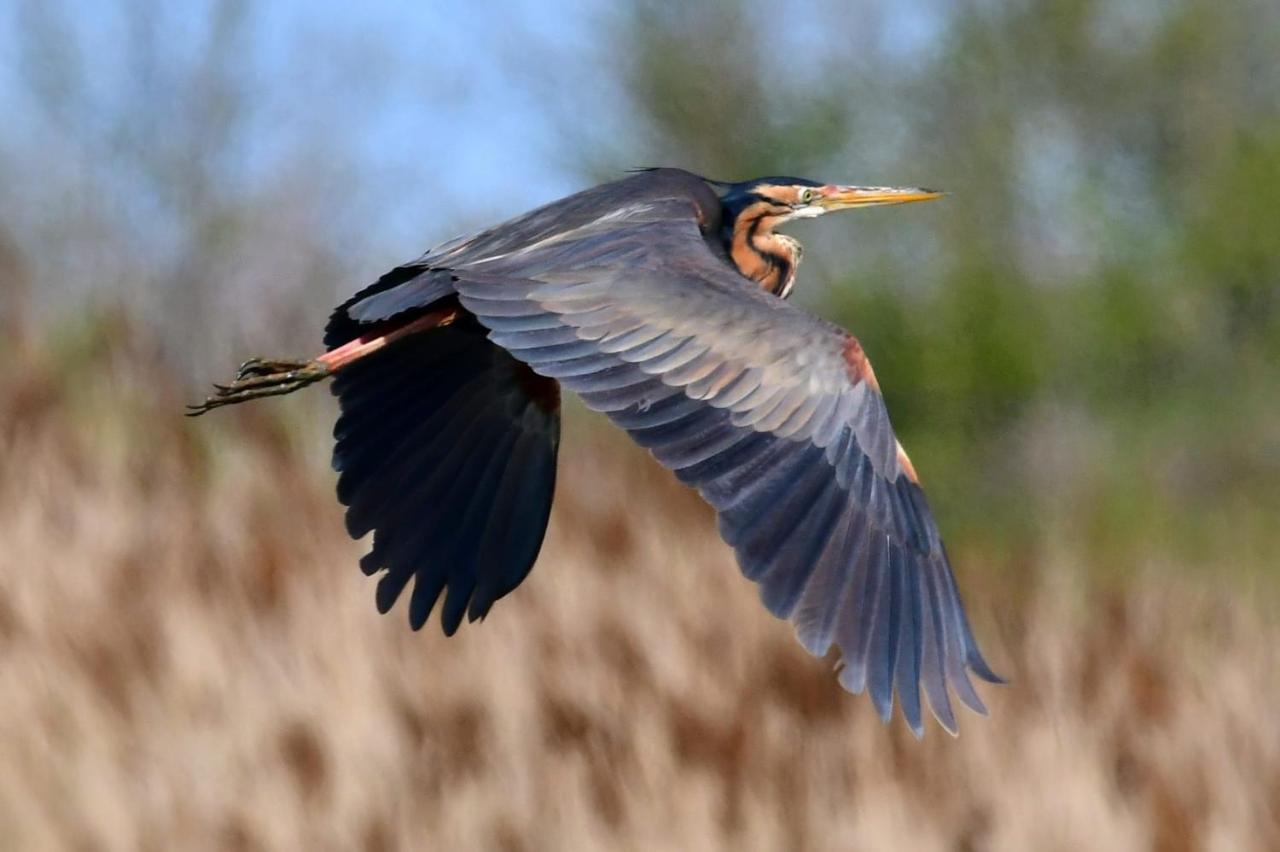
column 343, row 355
column 258, row 377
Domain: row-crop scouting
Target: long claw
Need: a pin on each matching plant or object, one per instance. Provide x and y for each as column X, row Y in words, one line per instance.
column 267, row 367
column 258, row 378
column 267, row 381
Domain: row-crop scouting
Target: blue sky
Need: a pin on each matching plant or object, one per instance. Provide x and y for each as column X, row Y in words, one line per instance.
column 425, row 97
column 455, row 93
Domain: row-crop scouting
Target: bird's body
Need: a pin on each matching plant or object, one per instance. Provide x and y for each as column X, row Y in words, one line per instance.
column 659, row 300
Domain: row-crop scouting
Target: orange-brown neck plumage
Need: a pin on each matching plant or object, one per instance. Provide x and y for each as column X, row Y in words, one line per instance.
column 765, row 257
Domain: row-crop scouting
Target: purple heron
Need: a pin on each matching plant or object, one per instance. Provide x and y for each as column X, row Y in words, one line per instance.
column 660, row 300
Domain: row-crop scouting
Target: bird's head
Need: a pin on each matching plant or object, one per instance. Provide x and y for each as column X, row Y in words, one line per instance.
column 753, row 209
column 787, row 198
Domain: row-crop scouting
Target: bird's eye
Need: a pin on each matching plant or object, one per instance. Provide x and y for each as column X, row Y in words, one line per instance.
column 806, row 196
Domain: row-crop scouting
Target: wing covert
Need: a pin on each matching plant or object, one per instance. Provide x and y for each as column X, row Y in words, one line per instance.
column 773, row 414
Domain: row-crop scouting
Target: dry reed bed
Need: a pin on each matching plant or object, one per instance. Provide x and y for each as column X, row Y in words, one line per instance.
column 190, row 659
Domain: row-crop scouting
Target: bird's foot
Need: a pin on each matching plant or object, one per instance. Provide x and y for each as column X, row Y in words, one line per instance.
column 268, row 366
column 259, row 377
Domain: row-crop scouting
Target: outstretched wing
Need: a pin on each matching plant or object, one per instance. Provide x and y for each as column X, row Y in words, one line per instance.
column 773, row 414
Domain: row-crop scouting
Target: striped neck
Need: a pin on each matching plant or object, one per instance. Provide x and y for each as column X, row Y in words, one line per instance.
column 768, row 258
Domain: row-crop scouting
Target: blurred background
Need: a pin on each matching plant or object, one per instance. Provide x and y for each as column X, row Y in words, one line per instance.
column 1080, row 346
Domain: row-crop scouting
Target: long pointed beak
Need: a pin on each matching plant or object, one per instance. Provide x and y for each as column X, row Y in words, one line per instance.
column 847, row 197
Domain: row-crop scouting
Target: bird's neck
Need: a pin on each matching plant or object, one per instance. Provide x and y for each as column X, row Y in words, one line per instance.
column 768, row 258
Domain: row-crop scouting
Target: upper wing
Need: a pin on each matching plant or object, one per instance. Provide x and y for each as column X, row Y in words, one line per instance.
column 569, row 220
column 773, row 414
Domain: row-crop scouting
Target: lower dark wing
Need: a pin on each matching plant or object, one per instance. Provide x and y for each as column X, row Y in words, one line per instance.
column 775, row 417
column 446, row 449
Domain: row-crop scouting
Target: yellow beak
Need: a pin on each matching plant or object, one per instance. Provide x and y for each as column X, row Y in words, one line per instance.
column 847, row 197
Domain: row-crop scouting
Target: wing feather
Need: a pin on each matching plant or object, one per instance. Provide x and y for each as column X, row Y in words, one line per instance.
column 446, row 450
column 757, row 405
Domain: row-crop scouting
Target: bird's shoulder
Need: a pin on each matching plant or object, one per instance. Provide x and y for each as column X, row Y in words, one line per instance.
column 643, row 196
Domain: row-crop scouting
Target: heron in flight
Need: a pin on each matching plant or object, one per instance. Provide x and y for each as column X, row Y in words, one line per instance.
column 661, row 301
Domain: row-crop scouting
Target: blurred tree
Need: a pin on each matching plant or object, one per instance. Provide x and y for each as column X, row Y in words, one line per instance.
column 144, row 176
